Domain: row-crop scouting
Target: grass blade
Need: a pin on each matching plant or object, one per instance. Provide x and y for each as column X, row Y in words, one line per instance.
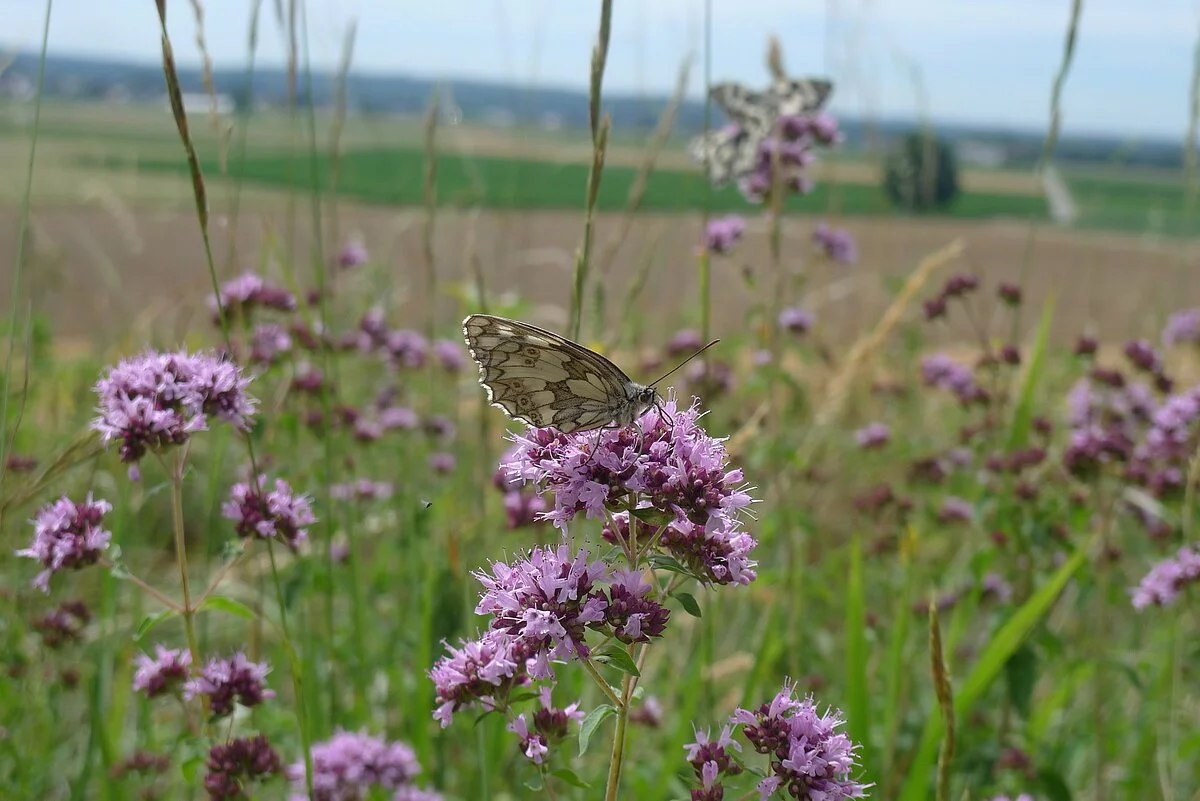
column 989, row 665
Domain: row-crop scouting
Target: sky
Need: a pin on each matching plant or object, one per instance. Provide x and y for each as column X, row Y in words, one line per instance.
column 962, row 61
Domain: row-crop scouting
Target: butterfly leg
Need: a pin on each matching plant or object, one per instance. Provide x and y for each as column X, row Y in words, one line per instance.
column 662, row 411
column 596, row 444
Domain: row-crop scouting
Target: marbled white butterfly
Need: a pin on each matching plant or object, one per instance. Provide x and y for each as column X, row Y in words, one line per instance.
column 732, row 152
column 546, row 380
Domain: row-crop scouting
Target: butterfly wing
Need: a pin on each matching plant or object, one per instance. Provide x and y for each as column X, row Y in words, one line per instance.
column 752, row 111
column 543, row 379
column 730, row 153
column 794, row 96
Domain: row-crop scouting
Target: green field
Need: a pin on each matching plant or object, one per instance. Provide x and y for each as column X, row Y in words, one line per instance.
column 1138, row 201
column 395, row 177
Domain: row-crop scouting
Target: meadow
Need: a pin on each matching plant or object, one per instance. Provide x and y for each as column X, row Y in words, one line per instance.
column 919, row 526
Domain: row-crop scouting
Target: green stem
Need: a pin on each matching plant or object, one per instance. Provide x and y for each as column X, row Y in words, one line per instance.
column 146, row 588
column 188, row 611
column 22, row 233
column 705, row 256
column 297, row 678
column 600, row 682
column 599, row 129
column 618, row 750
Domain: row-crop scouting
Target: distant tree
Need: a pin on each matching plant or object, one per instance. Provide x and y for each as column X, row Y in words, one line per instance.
column 243, row 101
column 921, row 173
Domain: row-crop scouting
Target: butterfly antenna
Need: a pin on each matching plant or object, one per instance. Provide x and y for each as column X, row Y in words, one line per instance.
column 685, row 361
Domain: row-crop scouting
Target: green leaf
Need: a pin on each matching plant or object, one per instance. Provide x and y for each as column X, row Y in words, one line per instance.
column 150, row 621
column 1020, row 674
column 232, row 549
column 229, row 606
column 989, row 664
column 295, row 584
column 617, row 658
column 520, row 698
column 858, row 712
column 688, row 602
column 1053, row 785
column 589, row 725
column 653, row 517
column 1022, row 419
column 190, row 767
column 660, row 561
column 570, row 778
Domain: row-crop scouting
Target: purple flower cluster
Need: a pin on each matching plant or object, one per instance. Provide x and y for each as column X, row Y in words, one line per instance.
column 714, row 557
column 956, row 510
column 790, row 147
column 836, row 243
column 352, row 254
column 233, row 765
column 546, row 602
column 450, row 355
column 708, row 379
column 269, row 343
column 942, row 372
column 67, row 536
column 956, row 287
column 873, row 435
column 402, row 348
column 406, row 348
column 1160, row 459
column 157, row 400
column 1182, row 328
column 1142, row 355
column 363, row 490
column 722, row 233
column 482, row 670
column 224, row 681
column 796, row 320
column 541, row 608
column 259, row 512
column 685, row 342
column 992, row 587
column 711, row 759
column 674, row 467
column 812, row 759
column 809, row 758
column 442, row 462
column 1161, row 586
column 524, row 506
column 64, row 624
column 353, row 765
column 1107, row 416
column 241, row 296
column 549, row 726
column 164, row 673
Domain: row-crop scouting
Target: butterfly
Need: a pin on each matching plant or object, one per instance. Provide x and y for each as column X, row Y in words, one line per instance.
column 548, row 381
column 732, row 152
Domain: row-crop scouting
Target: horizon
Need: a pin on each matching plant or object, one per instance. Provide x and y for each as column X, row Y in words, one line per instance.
column 874, row 76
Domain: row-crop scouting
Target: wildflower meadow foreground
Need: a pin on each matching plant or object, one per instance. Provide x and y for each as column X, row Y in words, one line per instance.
column 291, row 552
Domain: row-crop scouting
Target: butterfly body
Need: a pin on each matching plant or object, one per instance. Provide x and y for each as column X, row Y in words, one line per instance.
column 545, row 380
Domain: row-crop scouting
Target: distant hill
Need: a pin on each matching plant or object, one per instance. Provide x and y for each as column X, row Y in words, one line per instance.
column 500, row 103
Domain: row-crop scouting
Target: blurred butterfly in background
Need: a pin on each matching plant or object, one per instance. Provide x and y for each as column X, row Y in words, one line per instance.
column 548, row 381
column 732, row 152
